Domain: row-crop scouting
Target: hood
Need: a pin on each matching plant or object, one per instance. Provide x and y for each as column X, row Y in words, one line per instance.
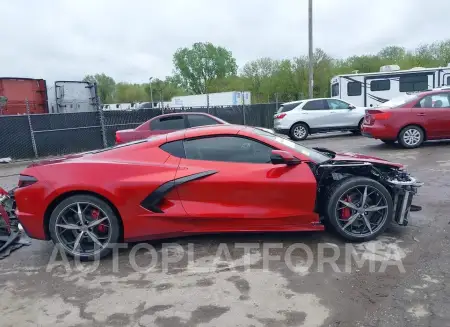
column 350, row 156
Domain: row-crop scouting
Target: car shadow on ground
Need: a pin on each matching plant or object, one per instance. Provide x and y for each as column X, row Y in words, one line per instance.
column 385, row 147
column 235, row 244
column 329, row 135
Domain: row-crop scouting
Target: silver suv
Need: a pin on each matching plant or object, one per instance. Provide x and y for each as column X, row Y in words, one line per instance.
column 298, row 119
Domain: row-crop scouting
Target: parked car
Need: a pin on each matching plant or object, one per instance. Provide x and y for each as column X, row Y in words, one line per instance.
column 167, row 123
column 223, row 178
column 410, row 119
column 298, row 119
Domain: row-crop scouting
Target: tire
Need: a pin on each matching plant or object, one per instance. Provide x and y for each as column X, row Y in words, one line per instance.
column 411, row 137
column 388, row 141
column 299, row 132
column 358, row 131
column 343, row 187
column 112, row 225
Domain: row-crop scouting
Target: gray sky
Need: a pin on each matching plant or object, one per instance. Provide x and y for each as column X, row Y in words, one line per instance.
column 134, row 39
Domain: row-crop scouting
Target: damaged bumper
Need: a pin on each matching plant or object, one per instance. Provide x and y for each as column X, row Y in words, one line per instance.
column 404, row 192
column 11, row 233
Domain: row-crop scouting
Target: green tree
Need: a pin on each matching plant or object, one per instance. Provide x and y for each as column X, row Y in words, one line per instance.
column 258, row 76
column 105, row 86
column 207, row 68
column 164, row 90
column 198, row 66
column 129, row 93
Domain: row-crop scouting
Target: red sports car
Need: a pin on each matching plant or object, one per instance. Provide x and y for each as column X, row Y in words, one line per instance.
column 224, row 178
column 167, row 123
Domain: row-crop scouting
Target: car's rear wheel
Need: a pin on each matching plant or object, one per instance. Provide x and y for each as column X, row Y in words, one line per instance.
column 85, row 227
column 411, row 137
column 358, row 131
column 388, row 141
column 359, row 208
column 299, row 131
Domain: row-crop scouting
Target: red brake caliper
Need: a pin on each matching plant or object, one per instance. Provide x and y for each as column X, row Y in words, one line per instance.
column 95, row 214
column 346, row 212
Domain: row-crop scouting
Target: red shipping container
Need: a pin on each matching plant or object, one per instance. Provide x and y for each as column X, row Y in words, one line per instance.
column 16, row 90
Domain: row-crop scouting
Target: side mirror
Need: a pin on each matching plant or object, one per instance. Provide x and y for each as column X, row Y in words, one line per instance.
column 351, row 107
column 279, row 157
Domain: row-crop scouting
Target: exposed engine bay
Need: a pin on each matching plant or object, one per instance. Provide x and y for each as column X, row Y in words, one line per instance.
column 400, row 184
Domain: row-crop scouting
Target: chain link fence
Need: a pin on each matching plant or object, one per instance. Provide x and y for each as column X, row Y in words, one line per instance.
column 28, row 135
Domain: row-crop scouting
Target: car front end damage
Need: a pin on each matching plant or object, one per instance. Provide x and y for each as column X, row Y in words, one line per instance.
column 403, row 188
column 395, row 178
column 11, row 233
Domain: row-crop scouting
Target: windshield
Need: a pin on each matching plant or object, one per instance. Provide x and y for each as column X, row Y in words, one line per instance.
column 314, row 155
column 288, row 107
column 399, row 101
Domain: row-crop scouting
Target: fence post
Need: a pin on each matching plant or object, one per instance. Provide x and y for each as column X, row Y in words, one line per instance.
column 207, row 102
column 33, row 140
column 243, row 106
column 102, row 116
column 102, row 127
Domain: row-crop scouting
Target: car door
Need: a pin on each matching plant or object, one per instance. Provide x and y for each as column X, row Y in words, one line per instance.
column 433, row 112
column 342, row 113
column 317, row 114
column 166, row 124
column 229, row 183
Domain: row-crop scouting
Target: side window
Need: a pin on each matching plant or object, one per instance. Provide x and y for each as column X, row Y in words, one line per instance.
column 380, row 85
column 200, row 120
column 167, row 123
column 335, row 90
column 316, row 105
column 174, row 148
column 448, row 81
column 411, row 83
column 354, row 89
column 440, row 100
column 228, row 149
column 337, row 104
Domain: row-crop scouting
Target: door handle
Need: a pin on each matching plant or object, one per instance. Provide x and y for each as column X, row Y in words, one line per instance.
column 421, row 114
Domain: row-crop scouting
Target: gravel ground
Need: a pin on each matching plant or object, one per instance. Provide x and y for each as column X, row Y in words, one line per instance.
column 222, row 280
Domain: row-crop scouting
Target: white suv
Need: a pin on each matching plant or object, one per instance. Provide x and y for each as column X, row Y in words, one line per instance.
column 300, row 118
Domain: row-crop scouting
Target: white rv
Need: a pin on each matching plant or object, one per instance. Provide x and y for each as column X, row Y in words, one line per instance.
column 372, row 89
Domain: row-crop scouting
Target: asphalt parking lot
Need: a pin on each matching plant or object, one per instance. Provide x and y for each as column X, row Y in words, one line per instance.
column 404, row 281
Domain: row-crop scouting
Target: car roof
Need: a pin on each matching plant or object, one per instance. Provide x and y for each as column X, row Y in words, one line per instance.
column 208, row 130
column 182, row 114
column 305, row 100
column 428, row 92
column 292, row 102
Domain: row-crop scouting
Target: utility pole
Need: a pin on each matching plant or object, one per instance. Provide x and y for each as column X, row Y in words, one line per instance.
column 311, row 54
column 151, row 90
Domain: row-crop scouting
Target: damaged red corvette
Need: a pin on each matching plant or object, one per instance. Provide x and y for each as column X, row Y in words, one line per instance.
column 225, row 178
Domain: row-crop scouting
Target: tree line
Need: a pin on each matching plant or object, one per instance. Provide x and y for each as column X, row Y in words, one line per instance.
column 207, row 68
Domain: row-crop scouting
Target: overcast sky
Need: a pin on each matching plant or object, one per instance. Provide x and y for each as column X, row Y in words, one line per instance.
column 134, row 39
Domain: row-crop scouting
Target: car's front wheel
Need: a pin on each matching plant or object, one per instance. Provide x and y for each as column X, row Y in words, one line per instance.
column 299, row 132
column 359, row 208
column 85, row 227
